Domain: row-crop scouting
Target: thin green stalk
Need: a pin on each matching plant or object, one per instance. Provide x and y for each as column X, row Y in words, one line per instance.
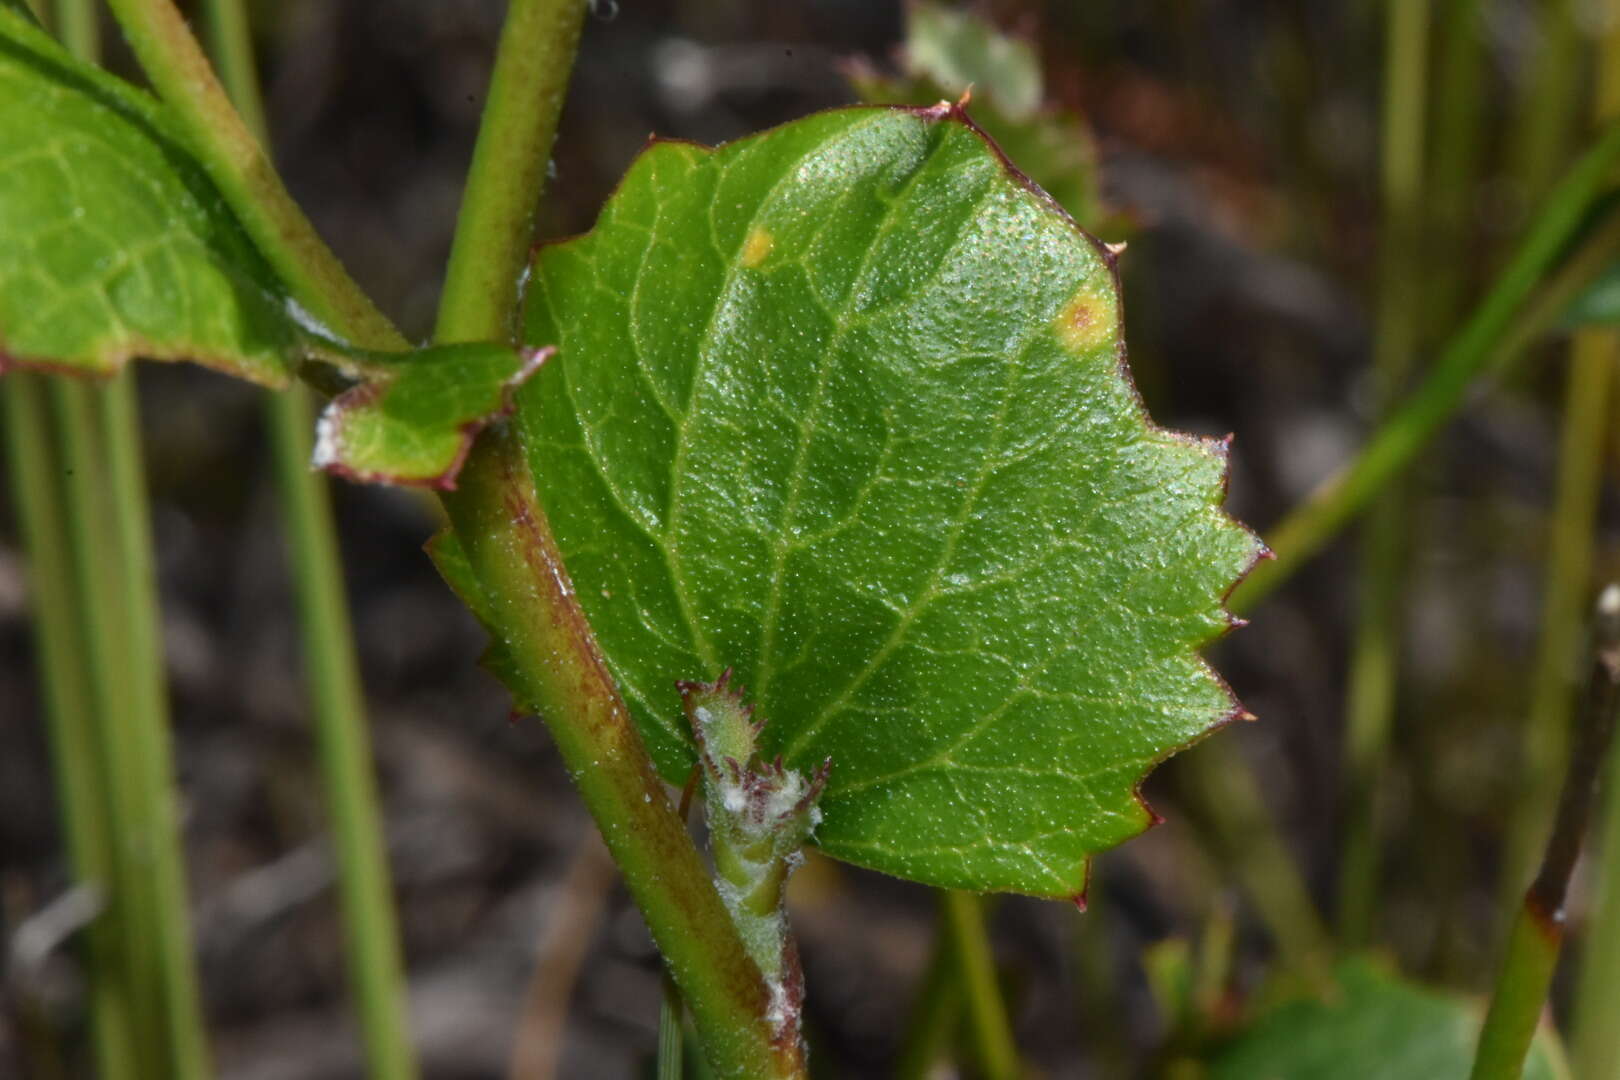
column 99, row 598
column 508, row 172
column 1373, row 668
column 1538, row 932
column 1456, row 136
column 81, row 786
column 371, row 925
column 1588, row 389
column 156, row 887
column 1594, row 1035
column 991, row 1031
column 365, row 888
column 935, row 1012
column 1222, row 790
column 1501, row 324
column 145, row 712
column 1540, row 137
column 238, row 165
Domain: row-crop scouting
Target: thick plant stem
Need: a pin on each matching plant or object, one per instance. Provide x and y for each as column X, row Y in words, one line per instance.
column 1537, row 935
column 370, row 923
column 1502, row 324
column 513, row 555
column 1373, row 667
column 234, row 160
column 76, row 756
column 508, row 172
column 508, row 542
column 991, row 1031
column 531, row 602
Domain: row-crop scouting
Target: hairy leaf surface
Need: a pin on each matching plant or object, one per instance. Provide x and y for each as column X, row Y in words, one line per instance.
column 1377, row 1025
column 115, row 244
column 842, row 406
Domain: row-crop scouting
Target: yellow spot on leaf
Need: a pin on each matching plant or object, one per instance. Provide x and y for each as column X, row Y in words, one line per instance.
column 756, row 247
column 1088, row 320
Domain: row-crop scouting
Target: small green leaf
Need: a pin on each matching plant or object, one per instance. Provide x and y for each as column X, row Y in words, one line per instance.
column 1378, row 1025
column 948, row 53
column 414, row 420
column 842, row 406
column 115, row 242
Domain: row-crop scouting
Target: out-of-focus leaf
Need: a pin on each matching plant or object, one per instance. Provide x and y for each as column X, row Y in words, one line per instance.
column 113, row 242
column 842, row 406
column 946, row 53
column 1599, row 304
column 1377, row 1025
column 955, row 48
column 415, row 418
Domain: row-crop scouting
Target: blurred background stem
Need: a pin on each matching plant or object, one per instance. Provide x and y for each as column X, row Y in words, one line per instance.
column 1537, row 935
column 365, row 887
column 1376, row 647
column 77, row 757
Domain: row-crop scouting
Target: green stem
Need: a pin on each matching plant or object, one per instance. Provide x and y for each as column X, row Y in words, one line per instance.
column 1457, row 138
column 237, row 164
column 1533, row 947
column 514, row 556
column 99, row 597
column 1549, row 108
column 508, row 172
column 1225, row 796
column 1569, row 550
column 1573, row 520
column 935, row 1012
column 671, row 1063
column 1373, row 667
column 510, row 548
column 986, row 1011
column 1594, row 1036
column 1501, row 325
column 371, row 926
column 365, row 889
column 560, row 670
column 146, row 714
column 81, row 785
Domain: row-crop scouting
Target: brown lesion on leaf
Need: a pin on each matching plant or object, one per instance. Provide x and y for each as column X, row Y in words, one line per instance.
column 757, row 247
column 1089, row 319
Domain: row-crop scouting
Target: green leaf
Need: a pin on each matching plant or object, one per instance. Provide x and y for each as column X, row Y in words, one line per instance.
column 947, row 53
column 415, row 419
column 1377, row 1025
column 115, row 242
column 842, row 406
